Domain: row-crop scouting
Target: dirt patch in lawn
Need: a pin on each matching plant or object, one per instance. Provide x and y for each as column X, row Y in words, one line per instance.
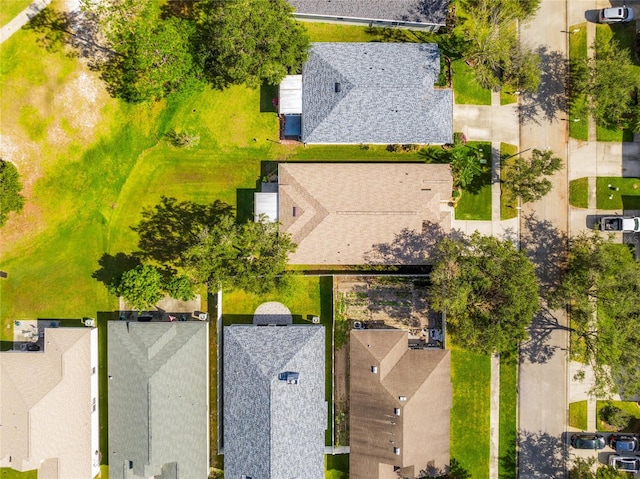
column 386, row 301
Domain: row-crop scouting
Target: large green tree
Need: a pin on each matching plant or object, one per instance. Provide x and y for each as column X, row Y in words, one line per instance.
column 488, row 290
column 149, row 54
column 491, row 47
column 10, row 187
column 251, row 256
column 140, row 287
column 607, row 81
column 527, row 178
column 602, row 287
column 208, row 244
column 143, row 286
column 249, row 41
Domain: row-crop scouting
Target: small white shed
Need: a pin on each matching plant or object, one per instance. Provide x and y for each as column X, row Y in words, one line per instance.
column 290, row 97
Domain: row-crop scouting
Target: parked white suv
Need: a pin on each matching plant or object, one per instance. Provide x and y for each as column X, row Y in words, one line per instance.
column 616, row 15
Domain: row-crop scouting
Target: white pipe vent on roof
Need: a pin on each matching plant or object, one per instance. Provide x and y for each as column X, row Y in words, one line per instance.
column 402, row 398
column 374, row 369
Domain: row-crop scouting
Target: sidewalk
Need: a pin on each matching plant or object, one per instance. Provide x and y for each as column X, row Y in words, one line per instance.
column 495, row 123
column 22, row 19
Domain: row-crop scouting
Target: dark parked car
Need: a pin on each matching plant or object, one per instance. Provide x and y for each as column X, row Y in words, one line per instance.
column 587, row 441
column 623, row 443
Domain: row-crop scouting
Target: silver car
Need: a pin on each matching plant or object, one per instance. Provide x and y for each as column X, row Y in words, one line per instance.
column 627, row 464
column 616, row 15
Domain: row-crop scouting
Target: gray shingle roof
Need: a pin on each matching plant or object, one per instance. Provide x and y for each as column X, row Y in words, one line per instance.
column 274, row 430
column 158, row 399
column 386, row 94
column 420, row 11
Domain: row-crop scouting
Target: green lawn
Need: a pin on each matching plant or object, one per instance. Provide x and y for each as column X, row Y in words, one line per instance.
column 627, row 197
column 578, row 415
column 466, row 89
column 508, row 96
column 305, row 296
column 578, row 50
column 630, row 407
column 508, row 422
column 579, row 192
column 353, row 152
column 336, row 467
column 331, row 32
column 475, row 201
column 508, row 207
column 10, row 8
column 470, row 428
column 617, row 134
column 6, row 473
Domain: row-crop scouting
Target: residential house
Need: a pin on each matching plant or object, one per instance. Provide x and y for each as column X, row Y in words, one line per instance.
column 343, row 213
column 414, row 14
column 49, row 404
column 275, row 413
column 365, row 93
column 400, row 400
column 158, row 392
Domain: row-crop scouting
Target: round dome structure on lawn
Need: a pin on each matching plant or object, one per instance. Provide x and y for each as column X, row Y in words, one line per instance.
column 272, row 313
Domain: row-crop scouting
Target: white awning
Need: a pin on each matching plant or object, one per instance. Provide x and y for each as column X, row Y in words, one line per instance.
column 265, row 204
column 290, row 98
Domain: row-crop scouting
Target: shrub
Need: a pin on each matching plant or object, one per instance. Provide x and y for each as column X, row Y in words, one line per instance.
column 614, row 416
column 182, row 139
column 395, row 148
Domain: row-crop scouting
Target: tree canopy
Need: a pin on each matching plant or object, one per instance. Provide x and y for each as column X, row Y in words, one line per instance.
column 492, row 48
column 526, row 178
column 249, row 41
column 488, row 289
column 207, row 243
column 607, row 82
column 10, row 187
column 148, row 52
column 602, row 287
column 145, row 285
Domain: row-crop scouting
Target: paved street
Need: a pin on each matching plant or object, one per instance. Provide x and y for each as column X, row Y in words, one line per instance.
column 544, row 229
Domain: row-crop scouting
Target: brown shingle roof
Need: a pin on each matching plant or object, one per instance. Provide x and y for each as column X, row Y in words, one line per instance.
column 421, row 431
column 338, row 212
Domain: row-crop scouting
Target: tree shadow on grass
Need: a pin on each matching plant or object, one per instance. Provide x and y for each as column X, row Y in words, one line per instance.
column 57, row 29
column 113, row 266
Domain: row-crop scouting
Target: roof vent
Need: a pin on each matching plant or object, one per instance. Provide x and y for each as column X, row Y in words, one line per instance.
column 289, row 377
column 396, row 451
column 374, row 369
column 402, row 398
column 396, row 411
column 338, row 87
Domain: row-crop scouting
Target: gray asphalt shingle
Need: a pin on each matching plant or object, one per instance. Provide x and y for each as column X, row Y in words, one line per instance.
column 274, row 430
column 420, row 11
column 158, row 396
column 375, row 93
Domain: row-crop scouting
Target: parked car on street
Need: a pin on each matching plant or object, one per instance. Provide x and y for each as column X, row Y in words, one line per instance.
column 629, row 464
column 623, row 443
column 616, row 15
column 587, row 441
column 620, row 223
